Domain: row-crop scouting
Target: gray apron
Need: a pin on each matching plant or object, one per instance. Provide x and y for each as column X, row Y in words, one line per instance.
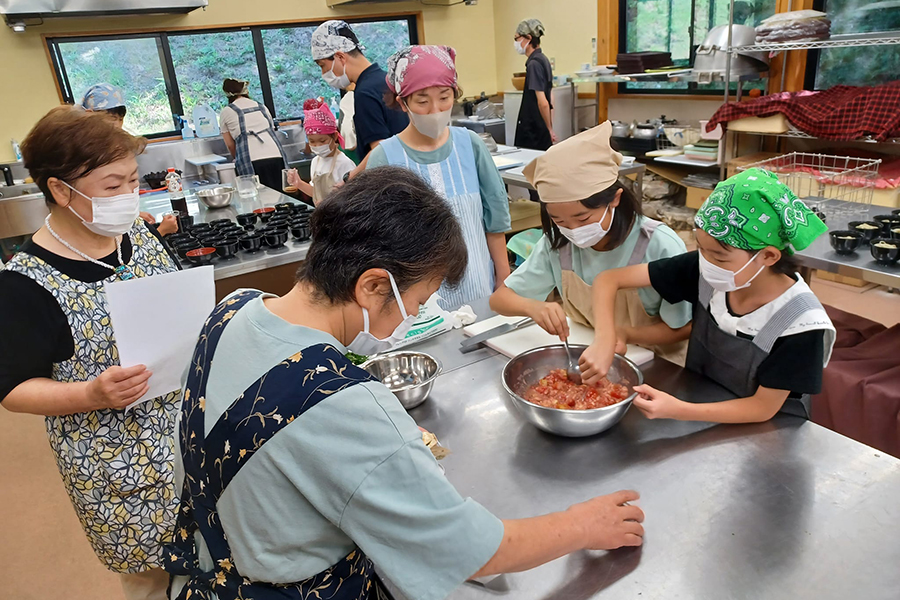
column 733, row 362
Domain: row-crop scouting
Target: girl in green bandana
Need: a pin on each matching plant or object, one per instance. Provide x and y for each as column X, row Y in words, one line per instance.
column 758, row 330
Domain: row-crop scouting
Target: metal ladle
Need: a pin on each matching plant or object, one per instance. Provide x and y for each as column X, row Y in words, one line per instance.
column 573, row 372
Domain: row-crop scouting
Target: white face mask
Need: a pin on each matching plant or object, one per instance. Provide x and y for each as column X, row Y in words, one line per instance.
column 323, row 150
column 113, row 215
column 432, row 124
column 520, row 48
column 722, row 279
column 338, row 82
column 367, row 344
column 590, row 234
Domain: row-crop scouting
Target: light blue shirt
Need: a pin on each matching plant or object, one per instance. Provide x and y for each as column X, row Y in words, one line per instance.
column 541, row 272
column 351, row 471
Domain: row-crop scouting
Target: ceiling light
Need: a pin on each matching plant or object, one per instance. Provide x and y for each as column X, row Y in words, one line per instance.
column 18, row 27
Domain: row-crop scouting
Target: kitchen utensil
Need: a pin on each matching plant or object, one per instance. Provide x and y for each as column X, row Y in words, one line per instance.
column 226, row 173
column 573, row 372
column 217, row 197
column 712, row 55
column 218, row 223
column 409, row 375
column 247, row 219
column 251, row 242
column 300, row 232
column 620, row 129
column 518, row 82
column 227, row 248
column 265, row 213
column 200, row 256
column 476, row 340
column 887, row 254
column 895, row 233
column 247, row 185
column 646, row 131
column 845, row 241
column 529, row 367
column 276, row 239
column 868, row 229
column 887, row 223
column 182, row 248
column 681, row 136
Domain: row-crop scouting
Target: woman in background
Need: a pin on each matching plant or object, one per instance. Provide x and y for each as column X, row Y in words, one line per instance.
column 249, row 133
column 453, row 160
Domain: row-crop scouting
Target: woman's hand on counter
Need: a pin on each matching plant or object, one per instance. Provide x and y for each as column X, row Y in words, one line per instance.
column 609, row 522
column 117, row 387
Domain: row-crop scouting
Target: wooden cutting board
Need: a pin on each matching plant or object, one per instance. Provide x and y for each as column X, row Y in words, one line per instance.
column 516, row 342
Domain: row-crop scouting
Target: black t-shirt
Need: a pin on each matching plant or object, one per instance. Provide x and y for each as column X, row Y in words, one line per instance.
column 372, row 119
column 795, row 362
column 539, row 74
column 36, row 332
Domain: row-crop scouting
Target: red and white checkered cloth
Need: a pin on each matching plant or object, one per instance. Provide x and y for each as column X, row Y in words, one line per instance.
column 841, row 113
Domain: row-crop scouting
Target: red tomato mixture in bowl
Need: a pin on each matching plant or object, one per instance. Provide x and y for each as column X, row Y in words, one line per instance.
column 556, row 391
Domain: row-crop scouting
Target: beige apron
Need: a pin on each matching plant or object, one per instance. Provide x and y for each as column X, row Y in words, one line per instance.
column 577, row 297
column 323, row 183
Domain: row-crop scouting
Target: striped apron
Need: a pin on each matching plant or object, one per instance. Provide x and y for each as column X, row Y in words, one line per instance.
column 456, row 180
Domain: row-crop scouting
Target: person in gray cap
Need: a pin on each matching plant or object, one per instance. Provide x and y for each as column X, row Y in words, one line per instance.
column 535, row 125
column 105, row 97
column 339, row 54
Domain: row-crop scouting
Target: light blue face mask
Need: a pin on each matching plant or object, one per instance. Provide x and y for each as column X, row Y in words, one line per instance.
column 367, row 344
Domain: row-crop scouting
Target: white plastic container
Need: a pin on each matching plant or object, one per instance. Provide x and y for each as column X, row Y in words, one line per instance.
column 205, row 122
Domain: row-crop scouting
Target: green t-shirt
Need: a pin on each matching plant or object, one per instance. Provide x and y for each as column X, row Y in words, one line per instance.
column 541, row 272
column 493, row 191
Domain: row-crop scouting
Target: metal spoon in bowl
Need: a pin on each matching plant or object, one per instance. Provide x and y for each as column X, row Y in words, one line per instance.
column 573, row 372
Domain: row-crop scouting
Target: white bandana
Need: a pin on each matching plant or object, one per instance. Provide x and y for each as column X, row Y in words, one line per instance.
column 326, row 41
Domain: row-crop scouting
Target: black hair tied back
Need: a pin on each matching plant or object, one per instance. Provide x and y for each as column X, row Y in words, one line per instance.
column 385, row 218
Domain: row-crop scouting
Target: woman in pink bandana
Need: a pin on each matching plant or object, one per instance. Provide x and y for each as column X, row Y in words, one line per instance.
column 453, row 160
column 329, row 165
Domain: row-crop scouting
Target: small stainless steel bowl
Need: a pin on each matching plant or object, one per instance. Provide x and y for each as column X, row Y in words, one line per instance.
column 409, row 375
column 528, row 368
column 217, row 197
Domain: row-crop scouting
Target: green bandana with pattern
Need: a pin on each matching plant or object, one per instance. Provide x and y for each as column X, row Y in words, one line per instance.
column 753, row 210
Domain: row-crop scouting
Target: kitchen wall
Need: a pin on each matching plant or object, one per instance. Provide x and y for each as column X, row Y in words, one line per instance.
column 642, row 108
column 30, row 83
column 570, row 26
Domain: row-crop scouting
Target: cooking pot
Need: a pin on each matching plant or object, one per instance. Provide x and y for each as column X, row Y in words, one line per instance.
column 712, row 54
column 619, row 129
column 645, row 131
column 225, row 172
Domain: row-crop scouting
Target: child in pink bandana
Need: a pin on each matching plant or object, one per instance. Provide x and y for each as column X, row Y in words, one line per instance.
column 329, row 165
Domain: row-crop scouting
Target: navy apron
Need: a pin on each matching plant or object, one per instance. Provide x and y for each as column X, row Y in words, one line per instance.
column 281, row 395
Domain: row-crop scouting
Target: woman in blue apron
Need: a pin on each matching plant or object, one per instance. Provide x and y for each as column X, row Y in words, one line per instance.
column 592, row 223
column 249, row 133
column 302, row 471
column 453, row 160
column 758, row 330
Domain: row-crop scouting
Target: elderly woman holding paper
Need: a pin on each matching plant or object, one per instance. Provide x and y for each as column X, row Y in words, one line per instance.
column 58, row 356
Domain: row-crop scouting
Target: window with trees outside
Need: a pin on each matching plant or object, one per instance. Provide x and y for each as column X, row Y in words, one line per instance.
column 679, row 26
column 856, row 66
column 165, row 75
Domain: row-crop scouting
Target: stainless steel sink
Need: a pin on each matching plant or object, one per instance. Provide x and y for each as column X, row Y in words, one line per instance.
column 22, row 210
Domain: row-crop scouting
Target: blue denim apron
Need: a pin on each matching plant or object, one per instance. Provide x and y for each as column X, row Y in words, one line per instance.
column 456, row 180
column 282, row 394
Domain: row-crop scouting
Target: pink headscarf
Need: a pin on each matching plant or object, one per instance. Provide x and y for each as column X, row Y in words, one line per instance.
column 318, row 120
column 418, row 67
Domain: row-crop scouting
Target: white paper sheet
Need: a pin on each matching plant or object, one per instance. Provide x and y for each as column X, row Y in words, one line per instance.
column 156, row 321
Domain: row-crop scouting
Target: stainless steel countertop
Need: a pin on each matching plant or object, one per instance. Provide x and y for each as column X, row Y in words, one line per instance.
column 783, row 509
column 860, row 264
column 159, row 204
column 514, row 176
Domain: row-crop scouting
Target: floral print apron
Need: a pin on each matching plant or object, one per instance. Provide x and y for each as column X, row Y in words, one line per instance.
column 117, row 467
column 211, row 461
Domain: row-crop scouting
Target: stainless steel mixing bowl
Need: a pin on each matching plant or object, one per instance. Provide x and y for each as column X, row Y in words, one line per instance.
column 217, row 197
column 409, row 375
column 528, row 368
